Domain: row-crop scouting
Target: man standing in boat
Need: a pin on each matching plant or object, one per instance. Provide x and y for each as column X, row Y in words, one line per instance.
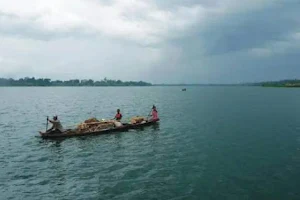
column 56, row 125
column 118, row 116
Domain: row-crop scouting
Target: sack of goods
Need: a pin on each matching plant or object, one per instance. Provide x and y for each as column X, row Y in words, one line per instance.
column 82, row 126
column 137, row 120
column 91, row 120
column 118, row 124
column 92, row 125
column 100, row 127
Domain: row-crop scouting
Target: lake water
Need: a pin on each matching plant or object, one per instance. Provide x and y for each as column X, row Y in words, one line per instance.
column 211, row 143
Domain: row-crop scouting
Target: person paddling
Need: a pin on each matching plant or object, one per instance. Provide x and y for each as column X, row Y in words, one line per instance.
column 56, row 126
column 154, row 113
column 118, row 116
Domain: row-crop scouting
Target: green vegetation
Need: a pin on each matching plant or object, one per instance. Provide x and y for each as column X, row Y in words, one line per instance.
column 108, row 82
column 76, row 82
column 283, row 83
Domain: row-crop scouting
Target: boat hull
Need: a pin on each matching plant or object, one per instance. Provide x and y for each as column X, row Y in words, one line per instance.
column 123, row 128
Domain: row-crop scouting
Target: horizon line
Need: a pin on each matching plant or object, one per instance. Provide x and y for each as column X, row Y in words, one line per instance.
column 157, row 84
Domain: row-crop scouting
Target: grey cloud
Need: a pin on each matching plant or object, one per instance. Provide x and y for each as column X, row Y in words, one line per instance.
column 255, row 29
column 218, row 51
column 244, row 31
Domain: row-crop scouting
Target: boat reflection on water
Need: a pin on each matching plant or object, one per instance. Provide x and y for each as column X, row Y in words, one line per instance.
column 154, row 127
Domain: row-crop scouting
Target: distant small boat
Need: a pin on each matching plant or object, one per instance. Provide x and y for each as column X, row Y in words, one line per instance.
column 184, row 89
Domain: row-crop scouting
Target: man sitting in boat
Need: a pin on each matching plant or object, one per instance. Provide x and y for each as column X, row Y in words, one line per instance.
column 56, row 126
column 118, row 116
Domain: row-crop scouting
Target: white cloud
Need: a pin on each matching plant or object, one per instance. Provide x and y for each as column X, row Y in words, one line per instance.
column 141, row 21
column 71, row 57
column 296, row 36
column 261, row 52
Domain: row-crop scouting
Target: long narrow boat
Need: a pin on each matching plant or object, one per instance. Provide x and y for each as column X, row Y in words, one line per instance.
column 71, row 133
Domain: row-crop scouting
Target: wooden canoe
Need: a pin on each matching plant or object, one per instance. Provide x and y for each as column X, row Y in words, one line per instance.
column 71, row 133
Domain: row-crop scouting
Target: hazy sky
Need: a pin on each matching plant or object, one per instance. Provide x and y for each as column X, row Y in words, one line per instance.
column 203, row 41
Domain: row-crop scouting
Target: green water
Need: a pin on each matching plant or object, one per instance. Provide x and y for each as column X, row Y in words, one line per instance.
column 212, row 143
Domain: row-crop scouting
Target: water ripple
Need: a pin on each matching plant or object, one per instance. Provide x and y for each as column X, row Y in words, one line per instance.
column 210, row 144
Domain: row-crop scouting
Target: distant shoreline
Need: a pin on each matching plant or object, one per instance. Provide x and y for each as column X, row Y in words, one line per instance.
column 200, row 85
column 46, row 82
column 283, row 86
column 111, row 86
column 61, row 86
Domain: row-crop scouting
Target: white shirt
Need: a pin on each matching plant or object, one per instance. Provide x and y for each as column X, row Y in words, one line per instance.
column 57, row 125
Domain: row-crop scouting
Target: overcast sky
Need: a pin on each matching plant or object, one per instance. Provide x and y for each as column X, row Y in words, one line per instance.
column 170, row 41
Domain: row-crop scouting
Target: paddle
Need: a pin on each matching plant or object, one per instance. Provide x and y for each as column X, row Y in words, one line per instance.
column 149, row 113
column 47, row 124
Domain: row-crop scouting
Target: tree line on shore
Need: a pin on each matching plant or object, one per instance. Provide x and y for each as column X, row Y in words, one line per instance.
column 283, row 83
column 74, row 82
column 108, row 82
